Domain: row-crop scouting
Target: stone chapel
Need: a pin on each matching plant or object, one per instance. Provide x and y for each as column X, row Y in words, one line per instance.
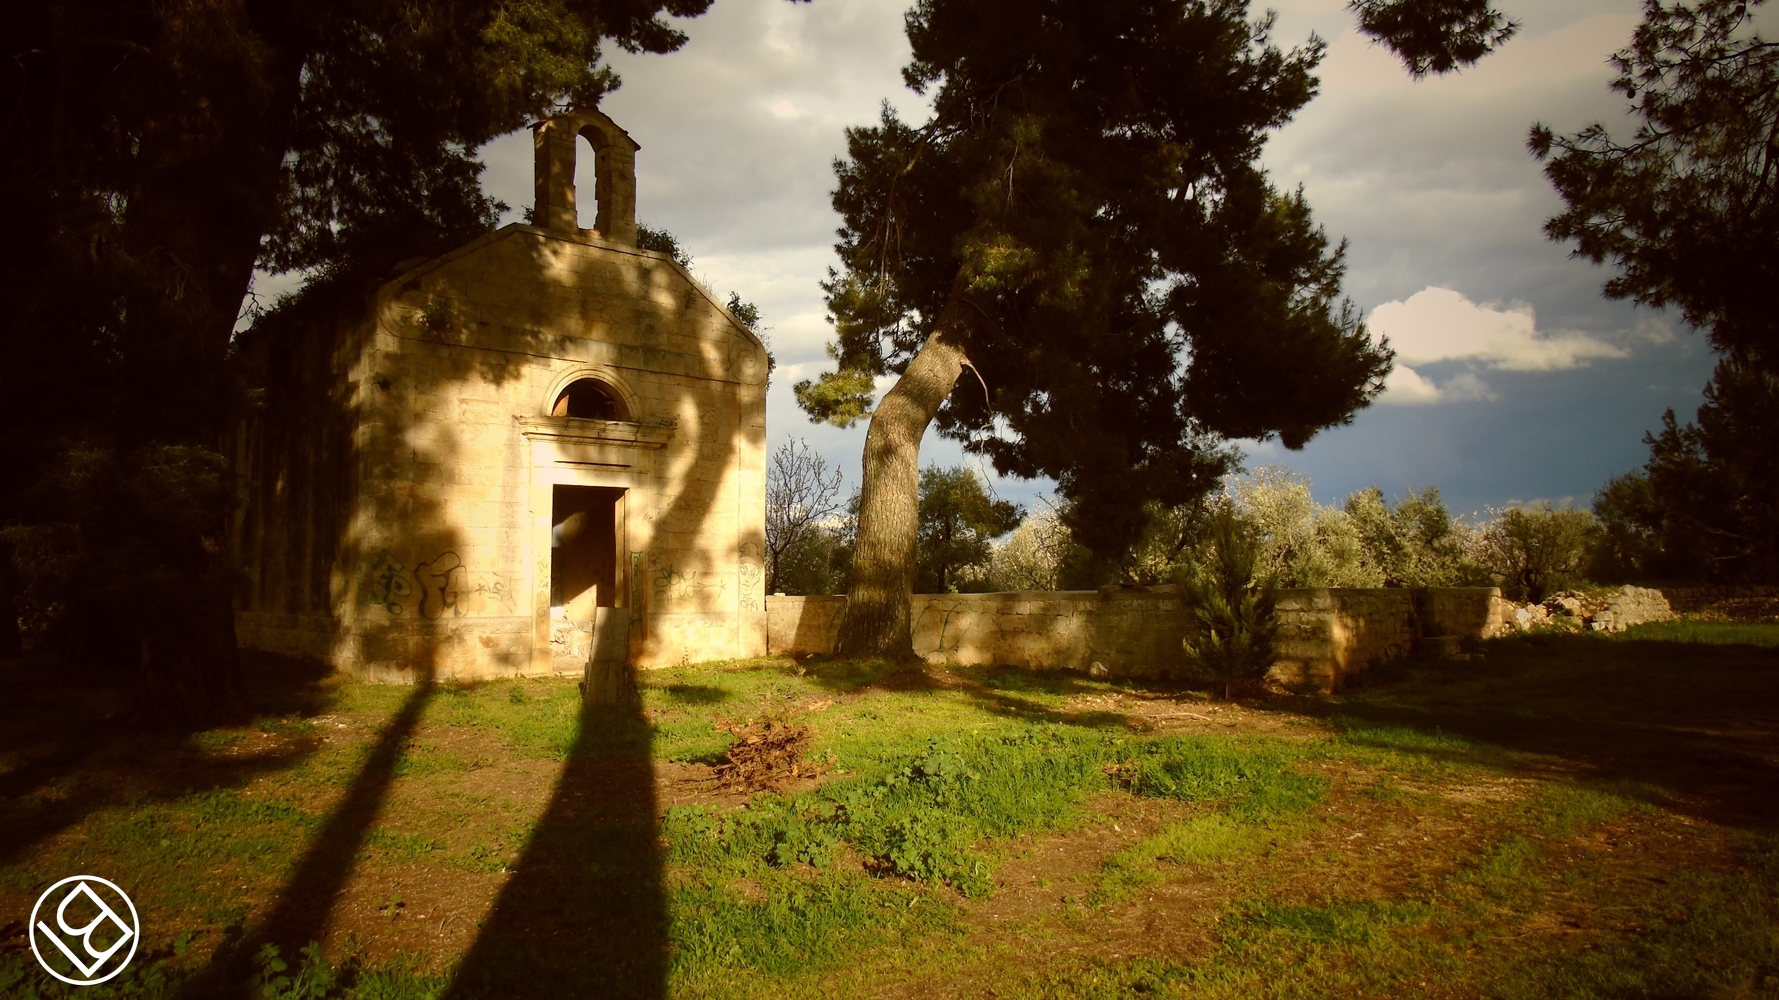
column 541, row 449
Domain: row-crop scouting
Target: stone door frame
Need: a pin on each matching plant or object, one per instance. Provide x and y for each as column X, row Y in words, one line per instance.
column 566, row 451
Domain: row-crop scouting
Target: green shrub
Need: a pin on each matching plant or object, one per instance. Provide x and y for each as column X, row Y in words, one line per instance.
column 1233, row 607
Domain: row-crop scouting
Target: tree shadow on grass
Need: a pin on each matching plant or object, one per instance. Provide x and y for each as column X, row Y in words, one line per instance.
column 585, row 913
column 75, row 748
column 999, row 690
column 1690, row 726
column 696, row 694
column 306, row 900
column 1026, row 709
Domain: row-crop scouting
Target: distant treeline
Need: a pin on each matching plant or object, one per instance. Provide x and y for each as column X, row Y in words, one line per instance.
column 971, row 542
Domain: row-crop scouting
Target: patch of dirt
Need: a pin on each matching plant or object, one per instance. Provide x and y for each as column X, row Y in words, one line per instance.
column 1148, row 712
column 1500, row 790
column 925, row 677
column 421, row 910
column 1056, row 873
column 1356, row 846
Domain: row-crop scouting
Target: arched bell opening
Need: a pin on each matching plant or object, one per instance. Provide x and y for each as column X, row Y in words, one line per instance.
column 613, row 163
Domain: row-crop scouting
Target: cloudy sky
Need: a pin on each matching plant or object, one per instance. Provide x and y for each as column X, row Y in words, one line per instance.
column 1515, row 380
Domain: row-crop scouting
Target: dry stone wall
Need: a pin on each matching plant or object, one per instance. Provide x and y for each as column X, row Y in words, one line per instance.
column 1631, row 606
column 1731, row 603
column 1325, row 635
column 1598, row 611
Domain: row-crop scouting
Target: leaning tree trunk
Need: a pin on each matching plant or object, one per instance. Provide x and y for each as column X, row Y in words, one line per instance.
column 877, row 622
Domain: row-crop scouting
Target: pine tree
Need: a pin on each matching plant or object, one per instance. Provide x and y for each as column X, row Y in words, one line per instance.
column 1083, row 224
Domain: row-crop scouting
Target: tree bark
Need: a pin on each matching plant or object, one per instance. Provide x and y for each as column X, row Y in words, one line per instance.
column 877, row 620
column 200, row 214
column 11, row 640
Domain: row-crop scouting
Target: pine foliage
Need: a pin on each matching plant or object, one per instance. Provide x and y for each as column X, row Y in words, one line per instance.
column 1233, row 604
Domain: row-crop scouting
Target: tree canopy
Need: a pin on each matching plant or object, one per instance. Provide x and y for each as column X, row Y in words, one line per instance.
column 1686, row 209
column 1084, row 225
column 152, row 157
column 1686, row 212
column 1704, row 505
column 1435, row 36
column 958, row 519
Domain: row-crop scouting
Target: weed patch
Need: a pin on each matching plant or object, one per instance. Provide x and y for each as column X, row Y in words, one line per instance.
column 793, row 925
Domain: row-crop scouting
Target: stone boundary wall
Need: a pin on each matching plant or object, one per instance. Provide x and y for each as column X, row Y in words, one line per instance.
column 1737, row 603
column 1325, row 634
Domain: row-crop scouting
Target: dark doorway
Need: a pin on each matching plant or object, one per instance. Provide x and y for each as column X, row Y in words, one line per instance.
column 586, row 622
column 583, row 550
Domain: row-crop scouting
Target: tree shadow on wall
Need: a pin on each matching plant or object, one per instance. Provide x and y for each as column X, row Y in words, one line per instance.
column 585, row 914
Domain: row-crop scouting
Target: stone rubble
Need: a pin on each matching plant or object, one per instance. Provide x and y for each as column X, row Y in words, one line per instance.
column 1612, row 611
column 1631, row 606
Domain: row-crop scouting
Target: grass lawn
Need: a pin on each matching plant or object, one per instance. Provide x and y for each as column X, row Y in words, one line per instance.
column 1571, row 816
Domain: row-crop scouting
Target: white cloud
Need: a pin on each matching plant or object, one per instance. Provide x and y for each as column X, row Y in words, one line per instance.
column 1407, row 387
column 1466, row 388
column 1650, row 330
column 1438, row 324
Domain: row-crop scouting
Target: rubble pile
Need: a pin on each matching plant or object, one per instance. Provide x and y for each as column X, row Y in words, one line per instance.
column 1631, row 606
column 1608, row 611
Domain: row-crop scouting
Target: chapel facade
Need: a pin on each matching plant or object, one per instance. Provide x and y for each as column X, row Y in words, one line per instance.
column 542, row 449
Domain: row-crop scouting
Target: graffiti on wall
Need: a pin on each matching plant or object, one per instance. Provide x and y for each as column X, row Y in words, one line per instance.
column 495, row 592
column 751, row 572
column 438, row 591
column 429, row 590
column 389, row 583
column 673, row 585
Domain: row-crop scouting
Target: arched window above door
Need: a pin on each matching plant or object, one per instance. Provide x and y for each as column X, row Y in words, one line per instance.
column 589, row 399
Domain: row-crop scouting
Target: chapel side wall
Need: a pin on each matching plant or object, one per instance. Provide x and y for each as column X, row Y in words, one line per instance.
column 698, row 562
column 297, row 487
column 435, row 552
